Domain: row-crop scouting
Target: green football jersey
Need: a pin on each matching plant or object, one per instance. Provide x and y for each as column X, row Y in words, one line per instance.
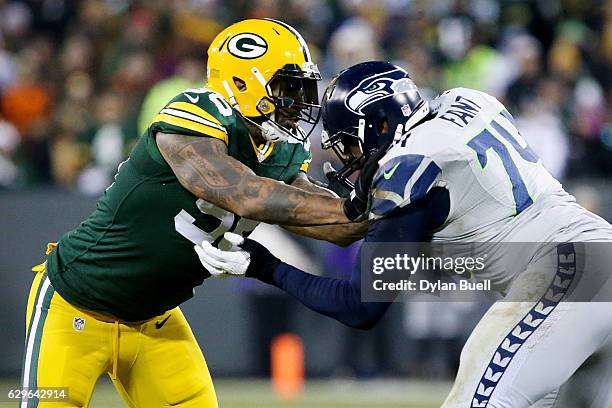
column 133, row 256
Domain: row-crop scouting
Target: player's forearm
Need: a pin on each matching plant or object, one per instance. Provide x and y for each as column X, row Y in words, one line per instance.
column 270, row 201
column 203, row 167
column 341, row 234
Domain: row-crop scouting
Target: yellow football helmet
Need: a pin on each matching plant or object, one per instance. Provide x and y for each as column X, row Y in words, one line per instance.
column 263, row 67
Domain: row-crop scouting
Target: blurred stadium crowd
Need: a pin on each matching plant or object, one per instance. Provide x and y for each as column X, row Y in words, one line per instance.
column 80, row 79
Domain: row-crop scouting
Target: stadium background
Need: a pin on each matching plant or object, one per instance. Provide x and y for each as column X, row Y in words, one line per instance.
column 79, row 80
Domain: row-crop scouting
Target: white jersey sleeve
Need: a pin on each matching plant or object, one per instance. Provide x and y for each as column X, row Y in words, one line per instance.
column 403, row 178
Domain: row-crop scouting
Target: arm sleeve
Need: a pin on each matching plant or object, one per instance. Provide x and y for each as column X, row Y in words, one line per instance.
column 341, row 299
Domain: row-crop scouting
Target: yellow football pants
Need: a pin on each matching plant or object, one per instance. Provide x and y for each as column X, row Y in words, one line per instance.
column 155, row 364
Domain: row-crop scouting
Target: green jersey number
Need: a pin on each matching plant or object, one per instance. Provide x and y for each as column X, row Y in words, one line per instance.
column 223, row 107
column 184, row 225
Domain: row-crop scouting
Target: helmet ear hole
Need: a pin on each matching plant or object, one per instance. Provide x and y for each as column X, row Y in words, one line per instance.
column 386, row 126
column 382, row 126
column 240, row 84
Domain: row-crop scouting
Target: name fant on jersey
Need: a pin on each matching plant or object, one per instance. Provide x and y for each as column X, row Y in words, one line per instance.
column 461, row 111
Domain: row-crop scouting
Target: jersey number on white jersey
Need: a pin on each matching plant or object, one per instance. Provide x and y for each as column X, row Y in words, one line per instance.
column 500, row 139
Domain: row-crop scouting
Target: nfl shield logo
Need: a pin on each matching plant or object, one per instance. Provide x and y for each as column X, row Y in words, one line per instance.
column 78, row 323
column 406, row 110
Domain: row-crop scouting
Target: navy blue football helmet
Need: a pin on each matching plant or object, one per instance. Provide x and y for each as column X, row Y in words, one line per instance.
column 364, row 107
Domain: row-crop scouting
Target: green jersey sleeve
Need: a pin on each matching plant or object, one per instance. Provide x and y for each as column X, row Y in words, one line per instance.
column 196, row 112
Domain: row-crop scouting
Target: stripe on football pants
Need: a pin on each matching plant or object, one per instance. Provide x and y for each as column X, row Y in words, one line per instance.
column 29, row 321
column 520, row 333
column 30, row 367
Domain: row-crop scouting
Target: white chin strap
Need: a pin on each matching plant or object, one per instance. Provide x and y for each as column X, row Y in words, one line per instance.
column 274, row 133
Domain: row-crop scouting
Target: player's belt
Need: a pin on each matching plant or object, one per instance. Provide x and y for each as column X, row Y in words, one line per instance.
column 109, row 318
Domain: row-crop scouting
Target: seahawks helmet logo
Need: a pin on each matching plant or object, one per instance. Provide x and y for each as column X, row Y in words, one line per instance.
column 377, row 87
column 247, row 46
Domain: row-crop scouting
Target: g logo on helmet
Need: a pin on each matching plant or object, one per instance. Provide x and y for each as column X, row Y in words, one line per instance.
column 377, row 87
column 247, row 46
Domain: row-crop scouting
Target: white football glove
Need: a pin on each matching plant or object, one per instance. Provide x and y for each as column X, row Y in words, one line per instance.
column 233, row 262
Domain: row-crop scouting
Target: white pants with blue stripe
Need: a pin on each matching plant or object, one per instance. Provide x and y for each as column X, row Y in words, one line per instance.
column 545, row 353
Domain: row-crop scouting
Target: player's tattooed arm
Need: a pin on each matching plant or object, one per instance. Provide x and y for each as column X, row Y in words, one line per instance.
column 302, row 181
column 344, row 234
column 203, row 166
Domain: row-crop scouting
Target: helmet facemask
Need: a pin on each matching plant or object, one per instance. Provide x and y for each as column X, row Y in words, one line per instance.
column 295, row 93
column 350, row 147
column 292, row 97
column 346, row 152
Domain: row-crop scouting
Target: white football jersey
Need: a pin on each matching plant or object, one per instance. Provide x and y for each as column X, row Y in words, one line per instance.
column 499, row 190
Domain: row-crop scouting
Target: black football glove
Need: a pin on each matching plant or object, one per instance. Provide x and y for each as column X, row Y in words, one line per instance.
column 356, row 205
column 263, row 262
column 341, row 186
